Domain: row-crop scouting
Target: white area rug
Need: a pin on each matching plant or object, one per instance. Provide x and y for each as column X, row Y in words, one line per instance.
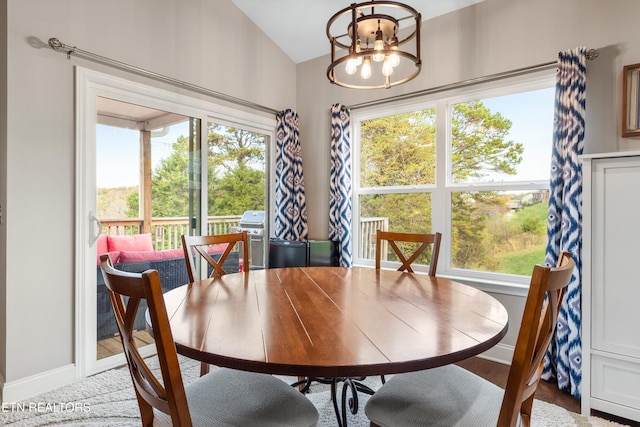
column 107, row 399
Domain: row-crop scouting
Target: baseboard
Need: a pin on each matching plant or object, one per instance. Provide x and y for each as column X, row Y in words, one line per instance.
column 500, row 353
column 24, row 388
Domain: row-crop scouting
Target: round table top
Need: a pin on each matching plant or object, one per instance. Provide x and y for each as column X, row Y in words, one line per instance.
column 332, row 321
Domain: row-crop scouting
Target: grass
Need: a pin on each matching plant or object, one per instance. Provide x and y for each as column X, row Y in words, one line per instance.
column 522, row 261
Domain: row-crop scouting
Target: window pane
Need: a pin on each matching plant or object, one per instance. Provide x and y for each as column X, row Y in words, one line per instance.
column 506, row 138
column 498, row 231
column 237, row 170
column 398, row 150
column 237, row 182
column 405, row 212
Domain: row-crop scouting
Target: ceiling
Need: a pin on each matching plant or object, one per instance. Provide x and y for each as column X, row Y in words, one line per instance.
column 298, row 27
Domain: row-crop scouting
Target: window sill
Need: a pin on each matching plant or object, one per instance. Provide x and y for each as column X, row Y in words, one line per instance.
column 486, row 285
column 491, row 286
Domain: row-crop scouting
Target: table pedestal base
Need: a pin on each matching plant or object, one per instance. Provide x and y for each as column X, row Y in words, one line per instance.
column 353, row 385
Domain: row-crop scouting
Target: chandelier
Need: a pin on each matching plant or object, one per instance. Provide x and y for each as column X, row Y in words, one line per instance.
column 374, row 45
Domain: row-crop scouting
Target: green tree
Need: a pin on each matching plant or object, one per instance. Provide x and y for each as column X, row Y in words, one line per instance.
column 169, row 185
column 479, row 148
column 236, row 170
column 399, row 150
column 239, row 190
column 478, row 143
column 235, row 176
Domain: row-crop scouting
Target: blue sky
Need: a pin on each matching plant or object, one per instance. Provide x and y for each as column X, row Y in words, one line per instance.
column 532, row 125
column 118, row 154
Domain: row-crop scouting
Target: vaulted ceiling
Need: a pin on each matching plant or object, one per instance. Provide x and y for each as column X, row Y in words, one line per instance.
column 298, row 27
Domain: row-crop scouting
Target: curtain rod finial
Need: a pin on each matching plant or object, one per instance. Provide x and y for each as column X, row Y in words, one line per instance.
column 54, row 43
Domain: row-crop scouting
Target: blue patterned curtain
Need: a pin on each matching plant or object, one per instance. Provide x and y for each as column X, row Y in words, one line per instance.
column 340, row 182
column 291, row 206
column 564, row 230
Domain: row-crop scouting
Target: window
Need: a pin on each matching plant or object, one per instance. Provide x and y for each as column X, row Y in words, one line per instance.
column 474, row 165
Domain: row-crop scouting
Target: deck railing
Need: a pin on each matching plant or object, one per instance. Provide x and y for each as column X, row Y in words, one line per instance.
column 166, row 232
column 367, row 243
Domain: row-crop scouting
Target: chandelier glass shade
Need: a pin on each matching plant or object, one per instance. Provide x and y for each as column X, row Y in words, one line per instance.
column 374, row 45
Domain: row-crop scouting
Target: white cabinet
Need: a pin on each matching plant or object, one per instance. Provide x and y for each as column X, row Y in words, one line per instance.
column 611, row 284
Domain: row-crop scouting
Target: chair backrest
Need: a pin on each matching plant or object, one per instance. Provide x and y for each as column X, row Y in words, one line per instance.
column 193, row 245
column 536, row 331
column 127, row 291
column 424, row 239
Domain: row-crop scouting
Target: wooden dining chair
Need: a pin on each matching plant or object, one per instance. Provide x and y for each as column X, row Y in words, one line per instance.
column 453, row 396
column 394, row 238
column 200, row 245
column 223, row 397
column 193, row 245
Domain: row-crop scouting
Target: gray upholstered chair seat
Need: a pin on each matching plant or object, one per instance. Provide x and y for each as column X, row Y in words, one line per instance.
column 445, row 396
column 227, row 397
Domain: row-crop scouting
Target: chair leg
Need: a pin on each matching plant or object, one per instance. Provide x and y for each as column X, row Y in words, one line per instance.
column 302, row 385
column 146, row 411
column 204, row 368
column 525, row 411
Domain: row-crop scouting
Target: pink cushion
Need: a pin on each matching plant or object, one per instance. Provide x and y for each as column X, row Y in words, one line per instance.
column 139, row 256
column 101, row 244
column 136, row 242
column 217, row 248
column 114, row 257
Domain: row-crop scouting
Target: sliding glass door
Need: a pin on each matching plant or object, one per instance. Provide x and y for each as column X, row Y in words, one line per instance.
column 151, row 166
column 147, row 195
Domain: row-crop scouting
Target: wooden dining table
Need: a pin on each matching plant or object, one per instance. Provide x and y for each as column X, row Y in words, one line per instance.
column 332, row 322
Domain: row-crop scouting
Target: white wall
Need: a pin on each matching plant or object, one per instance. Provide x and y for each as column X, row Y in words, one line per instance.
column 207, row 43
column 487, row 38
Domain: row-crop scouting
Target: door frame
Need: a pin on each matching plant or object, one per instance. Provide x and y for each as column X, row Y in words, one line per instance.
column 91, row 84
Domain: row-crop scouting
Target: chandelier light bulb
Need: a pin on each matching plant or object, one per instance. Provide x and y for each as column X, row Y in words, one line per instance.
column 358, row 58
column 387, row 67
column 378, row 45
column 394, row 57
column 351, row 66
column 365, row 73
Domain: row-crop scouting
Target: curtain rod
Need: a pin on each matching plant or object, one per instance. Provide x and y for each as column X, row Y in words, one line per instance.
column 591, row 54
column 57, row 45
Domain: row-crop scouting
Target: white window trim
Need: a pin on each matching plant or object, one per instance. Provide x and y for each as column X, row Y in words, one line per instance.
column 441, row 193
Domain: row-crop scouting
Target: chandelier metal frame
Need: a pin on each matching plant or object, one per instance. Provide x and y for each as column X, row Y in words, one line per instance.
column 374, row 36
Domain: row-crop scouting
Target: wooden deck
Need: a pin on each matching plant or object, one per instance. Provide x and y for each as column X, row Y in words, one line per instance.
column 110, row 346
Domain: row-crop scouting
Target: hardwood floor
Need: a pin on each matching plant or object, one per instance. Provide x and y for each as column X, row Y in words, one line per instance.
column 111, row 346
column 547, row 392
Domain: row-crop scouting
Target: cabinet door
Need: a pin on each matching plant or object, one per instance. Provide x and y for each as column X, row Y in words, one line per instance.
column 615, row 256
